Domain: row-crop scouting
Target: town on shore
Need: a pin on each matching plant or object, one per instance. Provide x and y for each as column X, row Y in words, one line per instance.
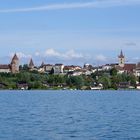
column 112, row 76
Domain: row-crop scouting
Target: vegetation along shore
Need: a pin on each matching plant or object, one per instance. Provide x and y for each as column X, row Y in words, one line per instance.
column 120, row 75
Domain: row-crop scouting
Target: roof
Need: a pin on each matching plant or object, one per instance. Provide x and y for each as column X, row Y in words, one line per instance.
column 45, row 65
column 119, row 68
column 129, row 67
column 31, row 64
column 58, row 64
column 4, row 66
column 123, row 84
column 15, row 57
column 48, row 65
column 72, row 66
column 121, row 55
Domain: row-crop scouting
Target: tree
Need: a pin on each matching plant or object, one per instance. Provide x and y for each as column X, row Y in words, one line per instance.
column 105, row 80
column 132, row 79
column 113, row 72
column 25, row 67
column 76, row 81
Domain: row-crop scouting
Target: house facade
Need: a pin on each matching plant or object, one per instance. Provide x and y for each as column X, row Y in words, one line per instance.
column 5, row 68
column 58, row 69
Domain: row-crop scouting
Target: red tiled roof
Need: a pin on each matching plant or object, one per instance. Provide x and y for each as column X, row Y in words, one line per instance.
column 4, row 66
column 72, row 67
column 129, row 67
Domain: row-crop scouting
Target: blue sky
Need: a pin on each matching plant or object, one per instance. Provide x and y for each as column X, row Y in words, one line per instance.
column 70, row 31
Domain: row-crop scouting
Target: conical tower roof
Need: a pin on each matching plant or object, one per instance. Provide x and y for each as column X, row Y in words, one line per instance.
column 121, row 55
column 14, row 58
column 31, row 63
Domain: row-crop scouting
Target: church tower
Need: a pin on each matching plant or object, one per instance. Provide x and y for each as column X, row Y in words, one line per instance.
column 15, row 64
column 121, row 58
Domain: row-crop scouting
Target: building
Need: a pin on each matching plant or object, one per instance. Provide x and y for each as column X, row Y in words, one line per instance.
column 71, row 68
column 107, row 67
column 121, row 59
column 137, row 70
column 45, row 68
column 123, row 85
column 13, row 67
column 31, row 64
column 22, row 85
column 123, row 67
column 5, row 68
column 15, row 64
column 58, row 69
column 88, row 66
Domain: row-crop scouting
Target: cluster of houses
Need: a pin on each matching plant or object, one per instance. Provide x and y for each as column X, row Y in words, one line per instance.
column 87, row 69
column 73, row 70
column 122, row 66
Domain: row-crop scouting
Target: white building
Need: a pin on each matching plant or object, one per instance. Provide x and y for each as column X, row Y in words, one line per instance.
column 5, row 69
column 58, row 68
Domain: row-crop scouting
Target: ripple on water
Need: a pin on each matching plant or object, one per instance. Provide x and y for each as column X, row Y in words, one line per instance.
column 45, row 115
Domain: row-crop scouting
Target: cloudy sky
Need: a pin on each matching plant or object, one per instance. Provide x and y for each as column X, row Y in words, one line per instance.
column 70, row 31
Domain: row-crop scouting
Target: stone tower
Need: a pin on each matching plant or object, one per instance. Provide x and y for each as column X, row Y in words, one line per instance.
column 31, row 64
column 121, row 58
column 15, row 64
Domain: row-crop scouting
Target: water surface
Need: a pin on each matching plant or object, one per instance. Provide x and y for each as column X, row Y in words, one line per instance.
column 69, row 115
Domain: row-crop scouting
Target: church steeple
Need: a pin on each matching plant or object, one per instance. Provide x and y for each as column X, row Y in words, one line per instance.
column 121, row 58
column 121, row 55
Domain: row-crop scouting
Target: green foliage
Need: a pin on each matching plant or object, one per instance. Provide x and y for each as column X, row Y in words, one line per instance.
column 113, row 72
column 76, row 81
column 105, row 80
column 37, row 80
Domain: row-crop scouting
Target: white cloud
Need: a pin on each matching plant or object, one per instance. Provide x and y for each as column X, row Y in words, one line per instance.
column 37, row 53
column 71, row 54
column 100, row 58
column 52, row 53
column 21, row 55
column 75, row 5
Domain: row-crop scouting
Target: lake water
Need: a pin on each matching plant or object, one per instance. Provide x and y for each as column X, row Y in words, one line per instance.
column 69, row 115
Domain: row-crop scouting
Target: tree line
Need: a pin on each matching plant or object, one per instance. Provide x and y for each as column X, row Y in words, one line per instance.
column 35, row 80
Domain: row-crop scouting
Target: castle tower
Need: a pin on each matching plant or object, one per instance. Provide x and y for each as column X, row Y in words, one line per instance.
column 15, row 64
column 121, row 58
column 31, row 64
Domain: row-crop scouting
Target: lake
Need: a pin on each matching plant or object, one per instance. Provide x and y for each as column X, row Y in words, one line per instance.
column 69, row 115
